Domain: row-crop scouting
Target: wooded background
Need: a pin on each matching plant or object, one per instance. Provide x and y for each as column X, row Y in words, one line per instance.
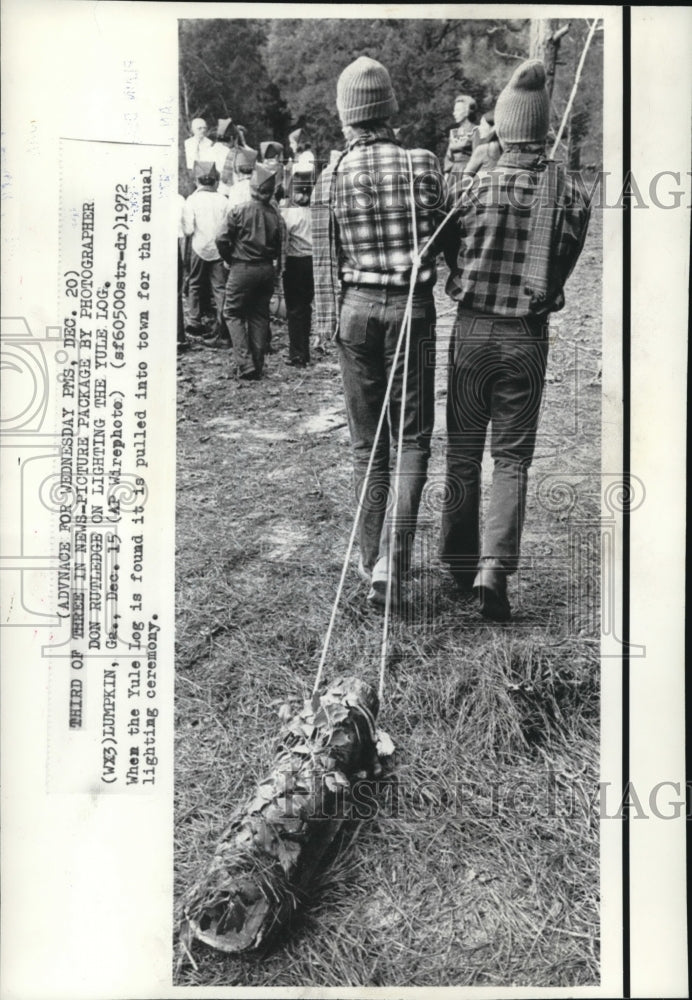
column 276, row 75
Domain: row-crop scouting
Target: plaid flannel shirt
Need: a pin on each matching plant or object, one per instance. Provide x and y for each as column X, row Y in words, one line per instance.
column 488, row 242
column 362, row 232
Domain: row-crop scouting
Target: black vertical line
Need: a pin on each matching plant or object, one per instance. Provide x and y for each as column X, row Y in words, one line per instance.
column 626, row 442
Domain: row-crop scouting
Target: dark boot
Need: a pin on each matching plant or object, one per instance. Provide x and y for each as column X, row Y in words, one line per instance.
column 491, row 586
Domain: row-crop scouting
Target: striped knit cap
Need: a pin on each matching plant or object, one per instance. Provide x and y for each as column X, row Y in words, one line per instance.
column 364, row 91
column 522, row 111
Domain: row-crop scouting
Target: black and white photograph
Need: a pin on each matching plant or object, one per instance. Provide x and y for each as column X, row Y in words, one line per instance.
column 388, row 612
column 343, row 628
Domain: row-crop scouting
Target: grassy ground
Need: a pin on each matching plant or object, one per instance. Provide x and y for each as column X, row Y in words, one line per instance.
column 481, row 865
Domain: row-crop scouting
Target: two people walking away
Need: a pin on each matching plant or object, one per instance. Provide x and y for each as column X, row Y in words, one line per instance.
column 511, row 243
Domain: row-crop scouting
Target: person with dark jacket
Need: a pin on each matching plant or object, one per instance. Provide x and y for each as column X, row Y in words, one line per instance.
column 250, row 244
column 511, row 246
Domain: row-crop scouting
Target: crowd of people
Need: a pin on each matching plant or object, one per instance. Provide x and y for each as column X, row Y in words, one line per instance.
column 244, row 239
column 345, row 242
column 221, row 165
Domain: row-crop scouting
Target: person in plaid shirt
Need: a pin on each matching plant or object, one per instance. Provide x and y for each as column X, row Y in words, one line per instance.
column 363, row 245
column 511, row 247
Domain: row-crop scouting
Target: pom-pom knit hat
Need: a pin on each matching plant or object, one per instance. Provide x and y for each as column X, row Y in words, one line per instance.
column 522, row 111
column 364, row 92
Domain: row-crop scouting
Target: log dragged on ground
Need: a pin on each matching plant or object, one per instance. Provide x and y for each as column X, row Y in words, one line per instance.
column 275, row 840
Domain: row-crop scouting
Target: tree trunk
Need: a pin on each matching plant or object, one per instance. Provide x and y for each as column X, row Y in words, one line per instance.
column 544, row 44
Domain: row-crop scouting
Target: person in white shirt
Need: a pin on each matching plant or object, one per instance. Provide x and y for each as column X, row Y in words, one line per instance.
column 198, row 147
column 204, row 219
column 299, row 289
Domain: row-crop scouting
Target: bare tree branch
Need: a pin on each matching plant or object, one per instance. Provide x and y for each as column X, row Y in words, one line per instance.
column 207, row 70
column 507, row 55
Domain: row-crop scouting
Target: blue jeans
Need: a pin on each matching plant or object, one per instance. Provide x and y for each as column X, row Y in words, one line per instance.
column 369, row 326
column 496, row 375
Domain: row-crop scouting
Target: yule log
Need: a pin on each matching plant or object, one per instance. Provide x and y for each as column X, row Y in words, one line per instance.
column 275, row 840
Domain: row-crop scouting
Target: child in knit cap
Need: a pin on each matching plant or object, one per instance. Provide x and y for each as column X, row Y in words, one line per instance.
column 299, row 287
column 203, row 218
column 512, row 244
column 250, row 244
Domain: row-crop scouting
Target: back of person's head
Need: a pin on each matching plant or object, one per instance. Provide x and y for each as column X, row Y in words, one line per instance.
column 299, row 140
column 271, row 150
column 522, row 111
column 245, row 159
column 224, row 131
column 206, row 174
column 262, row 182
column 364, row 93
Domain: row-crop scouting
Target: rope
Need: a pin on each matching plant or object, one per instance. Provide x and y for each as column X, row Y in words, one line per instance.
column 570, row 102
column 406, row 326
column 405, row 331
column 361, row 498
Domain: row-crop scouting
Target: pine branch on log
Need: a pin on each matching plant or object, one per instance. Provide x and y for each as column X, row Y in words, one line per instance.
column 275, row 841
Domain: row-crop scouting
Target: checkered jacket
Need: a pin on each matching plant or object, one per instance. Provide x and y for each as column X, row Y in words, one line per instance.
column 492, row 242
column 362, row 230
